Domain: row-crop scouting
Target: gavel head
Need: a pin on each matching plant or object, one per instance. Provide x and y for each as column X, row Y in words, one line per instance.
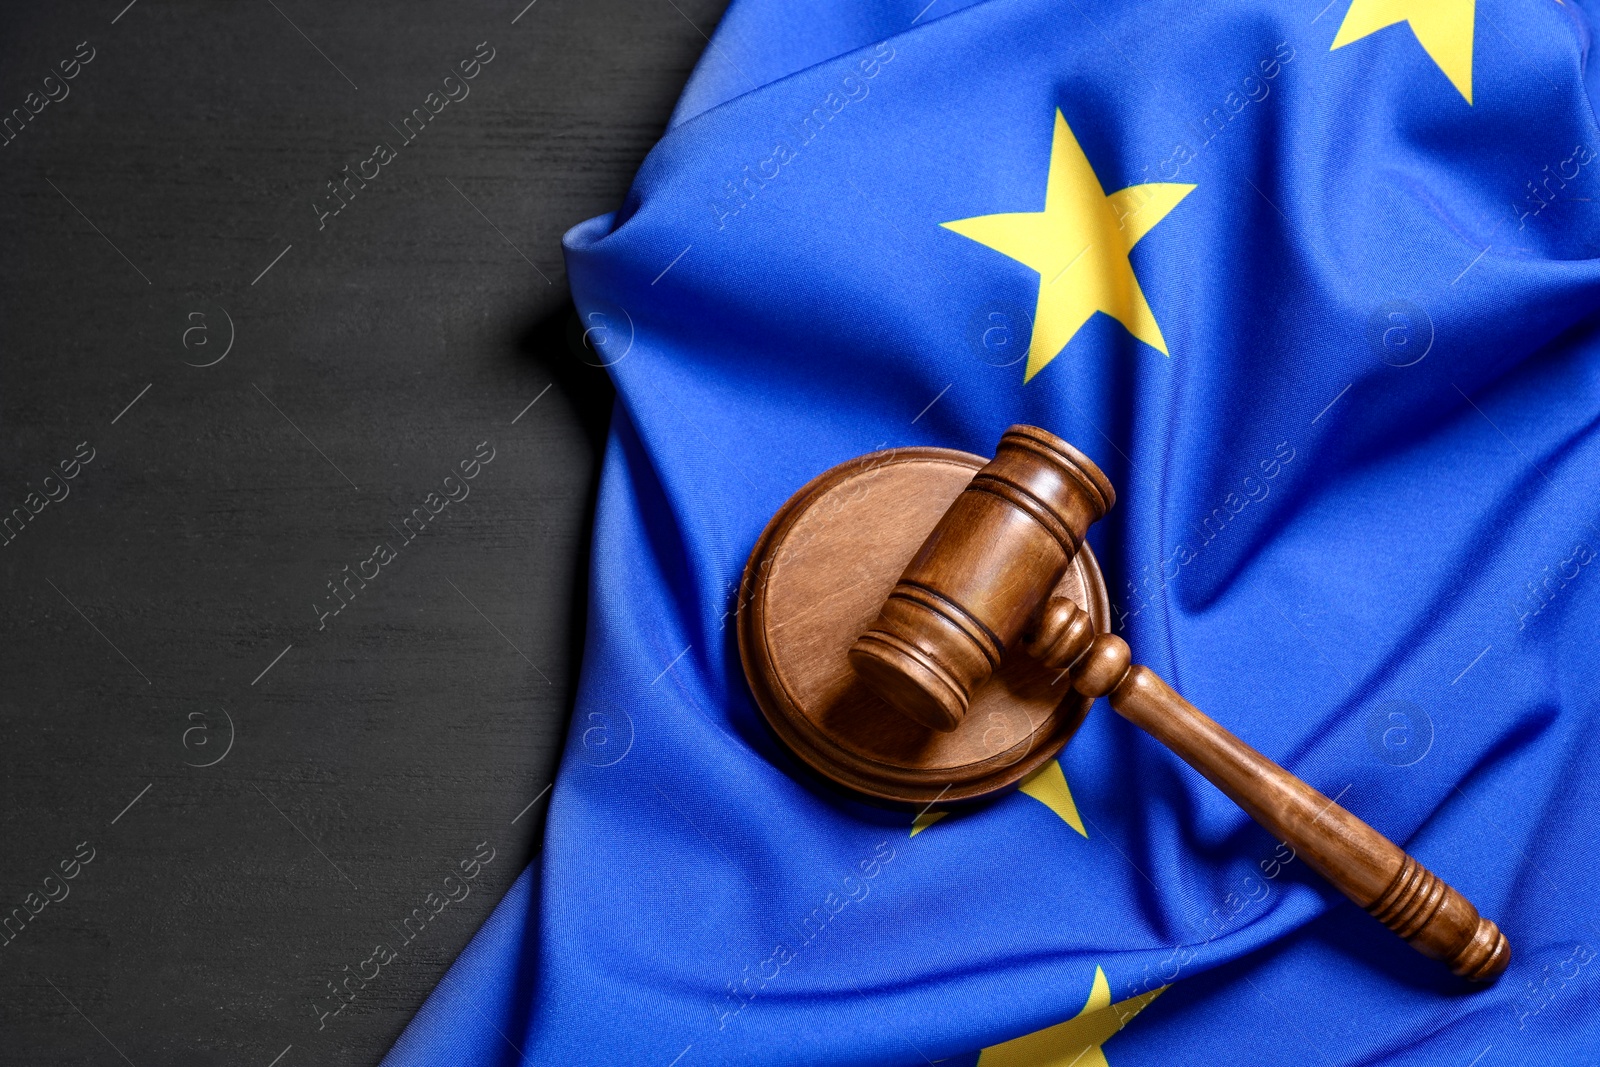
column 981, row 576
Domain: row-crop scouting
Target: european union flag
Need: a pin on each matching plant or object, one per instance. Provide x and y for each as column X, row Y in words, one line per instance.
column 1315, row 284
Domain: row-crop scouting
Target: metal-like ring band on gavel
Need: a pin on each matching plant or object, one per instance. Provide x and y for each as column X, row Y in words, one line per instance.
column 980, row 584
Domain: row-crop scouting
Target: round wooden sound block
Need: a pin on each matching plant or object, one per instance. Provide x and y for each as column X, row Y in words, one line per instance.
column 816, row 581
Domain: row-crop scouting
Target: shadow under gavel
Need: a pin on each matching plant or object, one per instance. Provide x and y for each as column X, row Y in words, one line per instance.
column 980, row 584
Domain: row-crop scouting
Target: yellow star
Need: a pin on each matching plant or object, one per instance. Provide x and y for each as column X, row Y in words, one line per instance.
column 1442, row 27
column 1076, row 1042
column 1079, row 244
column 1047, row 785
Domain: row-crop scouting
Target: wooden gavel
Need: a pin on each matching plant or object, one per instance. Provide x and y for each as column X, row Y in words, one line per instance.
column 981, row 582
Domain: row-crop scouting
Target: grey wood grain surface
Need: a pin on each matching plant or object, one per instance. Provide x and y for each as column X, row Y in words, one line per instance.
column 228, row 767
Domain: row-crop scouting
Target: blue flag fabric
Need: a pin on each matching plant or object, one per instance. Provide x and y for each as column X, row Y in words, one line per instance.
column 1316, row 285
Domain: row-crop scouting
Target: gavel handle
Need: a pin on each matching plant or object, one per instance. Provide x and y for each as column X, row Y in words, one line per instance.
column 1360, row 862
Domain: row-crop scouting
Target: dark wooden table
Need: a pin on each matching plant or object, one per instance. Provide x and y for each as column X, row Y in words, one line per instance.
column 240, row 743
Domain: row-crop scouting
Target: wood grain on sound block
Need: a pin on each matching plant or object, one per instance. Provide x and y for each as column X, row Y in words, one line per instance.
column 817, row 579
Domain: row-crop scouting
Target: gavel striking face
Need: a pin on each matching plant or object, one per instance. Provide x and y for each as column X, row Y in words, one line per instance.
column 981, row 583
column 981, row 576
